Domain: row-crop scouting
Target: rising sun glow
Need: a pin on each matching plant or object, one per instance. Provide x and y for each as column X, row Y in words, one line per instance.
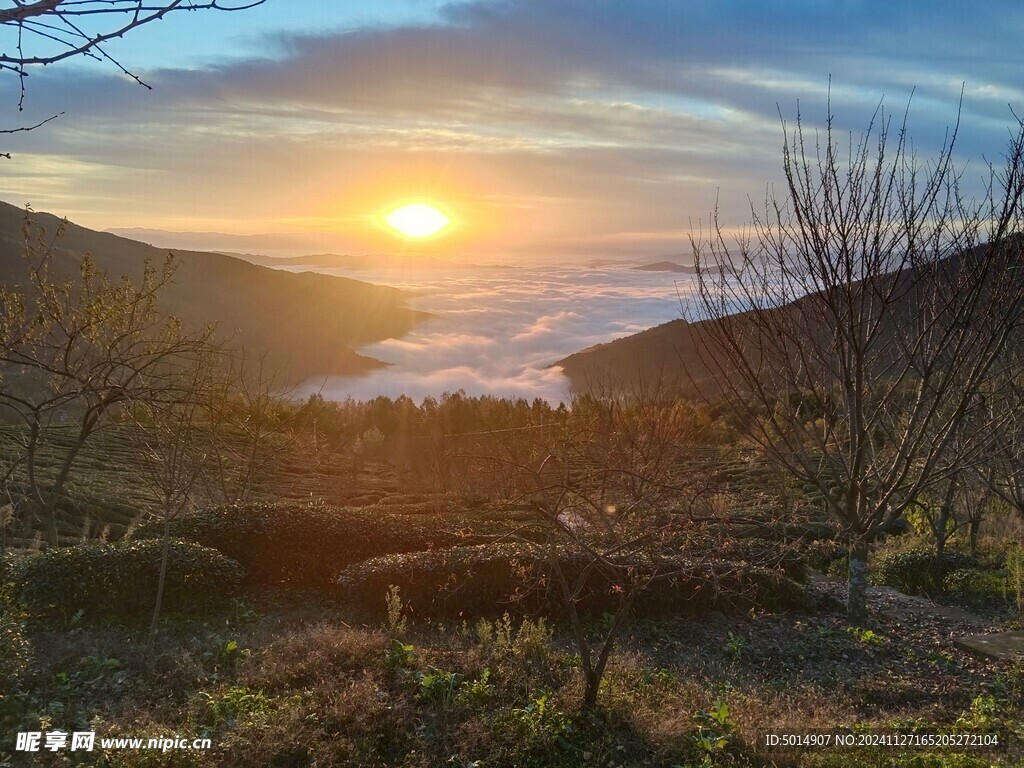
column 417, row 220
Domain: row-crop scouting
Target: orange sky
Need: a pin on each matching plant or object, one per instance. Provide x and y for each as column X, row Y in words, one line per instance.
column 537, row 126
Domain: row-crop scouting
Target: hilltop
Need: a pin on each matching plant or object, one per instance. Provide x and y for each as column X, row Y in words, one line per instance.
column 308, row 322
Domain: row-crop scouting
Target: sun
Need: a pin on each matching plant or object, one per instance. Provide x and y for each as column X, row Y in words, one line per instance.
column 417, row 220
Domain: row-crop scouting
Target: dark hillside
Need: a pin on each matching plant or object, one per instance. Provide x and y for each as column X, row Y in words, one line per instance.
column 669, row 355
column 305, row 321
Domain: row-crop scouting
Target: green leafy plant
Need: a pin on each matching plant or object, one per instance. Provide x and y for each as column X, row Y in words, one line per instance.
column 437, row 686
column 399, row 655
column 714, row 731
column 476, row 691
column 866, row 637
column 734, row 646
column 243, row 612
column 541, row 719
column 235, row 704
column 659, row 676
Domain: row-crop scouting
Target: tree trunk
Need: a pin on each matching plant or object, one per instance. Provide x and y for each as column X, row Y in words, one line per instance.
column 592, row 685
column 974, row 529
column 857, row 586
column 941, row 527
column 161, row 580
column 52, row 534
column 940, row 534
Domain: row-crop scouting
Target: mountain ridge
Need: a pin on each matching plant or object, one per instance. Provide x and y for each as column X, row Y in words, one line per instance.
column 307, row 324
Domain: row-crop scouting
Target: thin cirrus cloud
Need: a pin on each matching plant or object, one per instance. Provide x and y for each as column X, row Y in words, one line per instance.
column 539, row 121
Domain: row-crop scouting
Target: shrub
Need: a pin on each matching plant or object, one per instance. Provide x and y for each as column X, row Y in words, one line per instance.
column 766, row 553
column 464, row 579
column 99, row 580
column 978, row 589
column 489, row 579
column 918, row 571
column 15, row 651
column 828, row 556
column 300, row 546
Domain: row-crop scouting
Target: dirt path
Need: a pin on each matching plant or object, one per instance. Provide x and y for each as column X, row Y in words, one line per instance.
column 926, row 622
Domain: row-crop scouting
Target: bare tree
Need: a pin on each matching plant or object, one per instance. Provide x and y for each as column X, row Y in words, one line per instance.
column 854, row 323
column 75, row 356
column 1002, row 469
column 173, row 436
column 253, row 427
column 51, row 31
column 616, row 494
column 46, row 32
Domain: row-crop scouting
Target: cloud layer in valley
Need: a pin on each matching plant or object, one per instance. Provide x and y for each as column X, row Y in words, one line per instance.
column 497, row 331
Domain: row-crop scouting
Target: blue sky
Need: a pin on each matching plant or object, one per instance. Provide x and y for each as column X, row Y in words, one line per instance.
column 539, row 124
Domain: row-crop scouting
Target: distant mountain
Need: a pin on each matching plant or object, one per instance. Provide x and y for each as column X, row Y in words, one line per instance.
column 673, row 356
column 306, row 322
column 222, row 242
column 276, row 250
column 665, row 356
column 666, row 266
column 383, row 261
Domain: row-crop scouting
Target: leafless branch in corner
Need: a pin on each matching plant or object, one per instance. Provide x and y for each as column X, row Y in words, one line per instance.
column 50, row 31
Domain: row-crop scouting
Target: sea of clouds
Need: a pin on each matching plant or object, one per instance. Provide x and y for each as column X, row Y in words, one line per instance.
column 498, row 330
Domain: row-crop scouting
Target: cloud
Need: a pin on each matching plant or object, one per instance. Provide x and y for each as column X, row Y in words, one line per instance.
column 577, row 118
column 524, row 320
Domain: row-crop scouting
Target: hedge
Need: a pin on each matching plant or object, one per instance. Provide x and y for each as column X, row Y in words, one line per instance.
column 918, row 571
column 15, row 650
column 301, row 546
column 106, row 580
column 492, row 578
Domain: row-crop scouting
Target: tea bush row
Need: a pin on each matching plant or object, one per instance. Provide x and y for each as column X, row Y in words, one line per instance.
column 301, row 546
column 98, row 580
column 492, row 578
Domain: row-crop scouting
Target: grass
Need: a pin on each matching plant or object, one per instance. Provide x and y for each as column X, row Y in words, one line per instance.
column 284, row 680
column 280, row 684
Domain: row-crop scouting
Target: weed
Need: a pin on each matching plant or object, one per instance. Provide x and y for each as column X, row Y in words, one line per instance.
column 243, row 612
column 399, row 655
column 235, row 704
column 476, row 691
column 734, row 647
column 503, row 632
column 532, row 639
column 484, row 632
column 437, row 686
column 714, row 729
column 231, row 654
column 659, row 676
column 397, row 622
column 866, row 637
column 542, row 720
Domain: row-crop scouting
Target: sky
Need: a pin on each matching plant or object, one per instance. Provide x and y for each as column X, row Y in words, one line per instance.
column 538, row 126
